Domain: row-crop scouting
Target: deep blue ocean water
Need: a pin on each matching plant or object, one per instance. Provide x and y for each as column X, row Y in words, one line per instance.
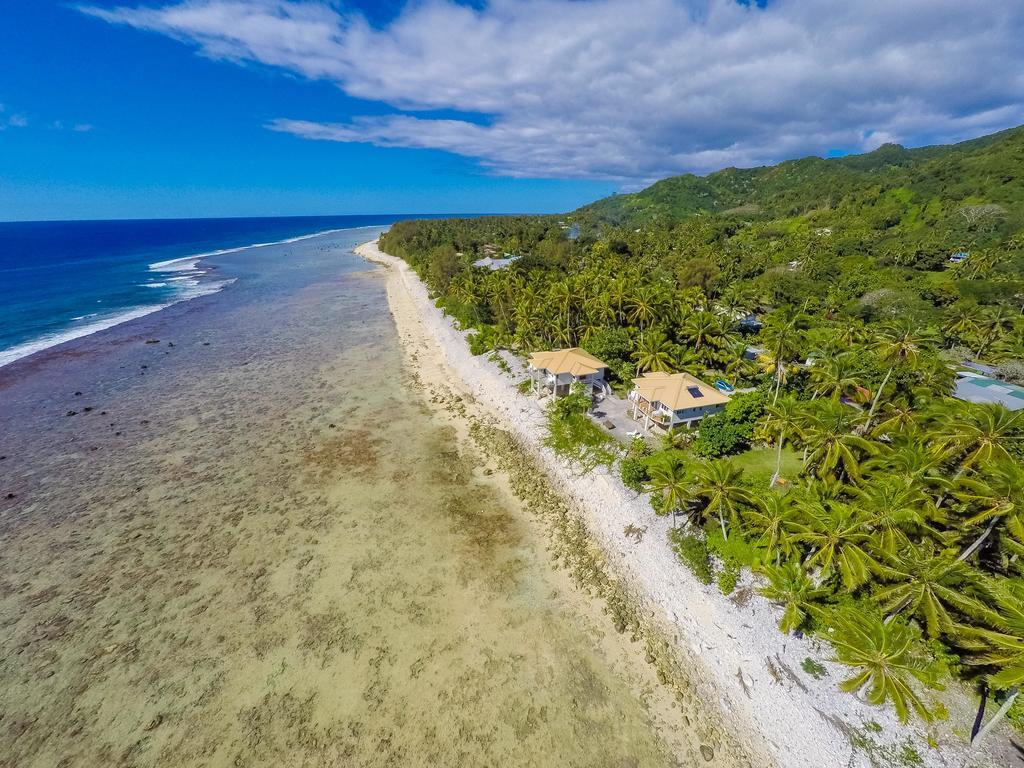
column 62, row 280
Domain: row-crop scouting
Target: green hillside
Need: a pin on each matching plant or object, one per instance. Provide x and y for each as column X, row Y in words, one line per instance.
column 989, row 169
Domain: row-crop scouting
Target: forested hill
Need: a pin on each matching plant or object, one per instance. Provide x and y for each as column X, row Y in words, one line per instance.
column 989, row 169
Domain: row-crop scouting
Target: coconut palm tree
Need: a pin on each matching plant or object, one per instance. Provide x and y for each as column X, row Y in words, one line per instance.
column 885, row 659
column 790, row 586
column 999, row 650
column 835, row 376
column 909, row 458
column 773, row 519
column 833, row 448
column 782, row 333
column 980, row 435
column 784, row 419
column 896, row 508
column 897, row 344
column 961, row 320
column 839, row 537
column 933, row 587
column 717, row 484
column 643, row 303
column 655, row 353
column 895, row 416
column 668, row 478
column 563, row 297
column 991, row 323
column 702, row 329
column 998, row 497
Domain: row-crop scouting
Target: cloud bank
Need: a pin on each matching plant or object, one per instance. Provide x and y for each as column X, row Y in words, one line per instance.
column 631, row 90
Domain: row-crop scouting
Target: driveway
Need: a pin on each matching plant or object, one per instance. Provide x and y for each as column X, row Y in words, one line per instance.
column 617, row 412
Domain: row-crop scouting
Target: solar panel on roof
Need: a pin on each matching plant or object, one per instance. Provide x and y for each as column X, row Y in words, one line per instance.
column 695, row 392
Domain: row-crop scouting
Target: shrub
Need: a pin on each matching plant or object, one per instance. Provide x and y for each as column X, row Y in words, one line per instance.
column 734, row 551
column 693, row 552
column 728, row 578
column 813, row 668
column 719, row 437
column 732, row 430
column 481, row 341
column 525, row 387
column 574, row 436
column 634, row 474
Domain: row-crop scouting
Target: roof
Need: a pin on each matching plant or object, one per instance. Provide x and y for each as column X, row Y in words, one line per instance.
column 975, row 388
column 678, row 390
column 493, row 264
column 574, row 361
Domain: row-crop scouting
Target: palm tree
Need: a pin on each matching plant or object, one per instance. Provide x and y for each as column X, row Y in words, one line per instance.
column 895, row 507
column 643, row 305
column 1000, row 496
column 1000, row 650
column 790, row 586
column 785, row 419
column 782, row 333
column 773, row 518
column 884, row 657
column 991, row 322
column 563, row 297
column 618, row 295
column 839, row 538
column 961, row 319
column 701, row 329
column 897, row 416
column 910, row 459
column 653, row 353
column 668, row 478
column 930, row 585
column 981, row 435
column 717, row 484
column 835, row 376
column 897, row 344
column 833, row 448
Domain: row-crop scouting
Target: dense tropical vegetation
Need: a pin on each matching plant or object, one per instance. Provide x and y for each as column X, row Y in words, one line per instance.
column 883, row 514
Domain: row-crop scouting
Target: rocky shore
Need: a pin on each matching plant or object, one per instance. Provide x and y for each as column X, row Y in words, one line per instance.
column 723, row 652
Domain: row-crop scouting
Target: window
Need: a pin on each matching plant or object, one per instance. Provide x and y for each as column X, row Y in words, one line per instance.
column 695, row 392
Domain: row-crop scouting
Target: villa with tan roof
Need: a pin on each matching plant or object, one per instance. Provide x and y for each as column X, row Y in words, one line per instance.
column 556, row 371
column 671, row 399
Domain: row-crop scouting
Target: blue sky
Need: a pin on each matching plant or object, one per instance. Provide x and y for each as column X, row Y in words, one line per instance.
column 258, row 107
column 173, row 134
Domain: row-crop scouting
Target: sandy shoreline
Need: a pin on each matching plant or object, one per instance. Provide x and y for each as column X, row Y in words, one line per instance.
column 741, row 664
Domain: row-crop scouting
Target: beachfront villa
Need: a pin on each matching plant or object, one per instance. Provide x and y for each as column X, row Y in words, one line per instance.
column 556, row 371
column 671, row 399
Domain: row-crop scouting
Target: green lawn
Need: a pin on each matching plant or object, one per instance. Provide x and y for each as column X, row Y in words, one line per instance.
column 759, row 464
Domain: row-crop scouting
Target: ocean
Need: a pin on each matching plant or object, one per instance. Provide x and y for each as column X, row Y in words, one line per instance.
column 61, row 280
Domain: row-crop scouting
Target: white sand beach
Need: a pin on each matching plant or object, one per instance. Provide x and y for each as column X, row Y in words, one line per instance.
column 741, row 664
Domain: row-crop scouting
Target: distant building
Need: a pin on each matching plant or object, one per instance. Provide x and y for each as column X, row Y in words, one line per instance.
column 749, row 323
column 974, row 387
column 491, row 263
column 556, row 371
column 670, row 399
column 959, row 256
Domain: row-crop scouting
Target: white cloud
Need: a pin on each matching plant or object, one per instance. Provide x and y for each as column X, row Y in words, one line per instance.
column 17, row 121
column 632, row 90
